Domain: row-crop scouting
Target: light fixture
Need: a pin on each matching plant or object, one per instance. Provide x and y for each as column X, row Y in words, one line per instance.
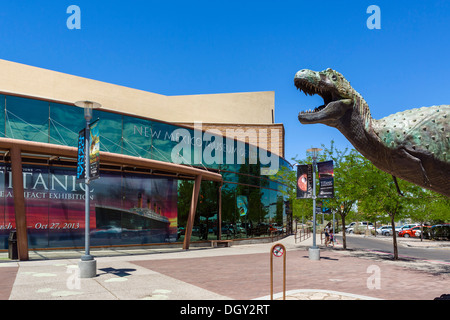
column 88, row 106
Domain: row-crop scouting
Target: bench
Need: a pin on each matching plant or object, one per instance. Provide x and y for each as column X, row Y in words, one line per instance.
column 224, row 243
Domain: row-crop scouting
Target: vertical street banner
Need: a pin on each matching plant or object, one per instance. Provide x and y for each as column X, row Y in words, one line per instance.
column 242, row 203
column 304, row 181
column 326, row 179
column 81, row 155
column 94, row 152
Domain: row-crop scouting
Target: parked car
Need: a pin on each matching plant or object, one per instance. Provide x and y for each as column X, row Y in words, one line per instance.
column 366, row 225
column 407, row 226
column 350, row 225
column 438, row 232
column 387, row 230
column 411, row 232
column 384, row 230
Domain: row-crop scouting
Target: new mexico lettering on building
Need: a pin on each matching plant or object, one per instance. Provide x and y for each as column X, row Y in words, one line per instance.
column 210, row 147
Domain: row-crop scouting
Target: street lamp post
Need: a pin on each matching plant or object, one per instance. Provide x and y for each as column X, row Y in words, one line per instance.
column 314, row 251
column 87, row 265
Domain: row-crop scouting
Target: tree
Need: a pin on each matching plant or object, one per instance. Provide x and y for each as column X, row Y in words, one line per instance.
column 380, row 195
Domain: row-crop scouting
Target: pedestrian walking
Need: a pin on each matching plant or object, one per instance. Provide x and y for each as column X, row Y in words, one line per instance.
column 332, row 237
column 327, row 233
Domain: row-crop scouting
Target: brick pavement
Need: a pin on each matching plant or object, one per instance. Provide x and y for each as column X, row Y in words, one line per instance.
column 247, row 276
column 239, row 272
column 7, row 277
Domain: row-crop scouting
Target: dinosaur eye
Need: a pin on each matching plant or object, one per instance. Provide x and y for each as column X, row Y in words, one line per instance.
column 334, row 77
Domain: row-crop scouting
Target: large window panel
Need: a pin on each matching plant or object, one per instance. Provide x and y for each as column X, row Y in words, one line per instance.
column 27, row 119
column 163, row 145
column 149, row 213
column 66, row 205
column 137, row 137
column 206, row 219
column 2, row 115
column 184, row 203
column 230, row 156
column 110, row 128
column 255, row 212
column 244, row 222
column 273, row 206
column 65, row 124
column 5, row 224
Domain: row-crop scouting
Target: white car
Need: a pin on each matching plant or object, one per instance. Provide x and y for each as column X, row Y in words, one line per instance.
column 384, row 230
column 367, row 225
column 387, row 230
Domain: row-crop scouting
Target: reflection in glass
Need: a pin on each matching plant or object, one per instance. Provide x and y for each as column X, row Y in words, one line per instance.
column 27, row 119
column 110, row 128
column 65, row 124
column 2, row 115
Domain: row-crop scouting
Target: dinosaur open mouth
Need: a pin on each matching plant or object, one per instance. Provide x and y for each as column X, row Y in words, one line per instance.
column 310, row 89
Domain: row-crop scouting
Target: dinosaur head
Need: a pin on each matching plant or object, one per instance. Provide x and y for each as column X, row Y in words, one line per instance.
column 335, row 90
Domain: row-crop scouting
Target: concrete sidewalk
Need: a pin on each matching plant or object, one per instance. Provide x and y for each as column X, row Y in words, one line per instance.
column 240, row 272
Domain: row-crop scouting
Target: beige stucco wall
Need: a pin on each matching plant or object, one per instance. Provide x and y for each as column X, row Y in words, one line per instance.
column 231, row 108
column 272, row 137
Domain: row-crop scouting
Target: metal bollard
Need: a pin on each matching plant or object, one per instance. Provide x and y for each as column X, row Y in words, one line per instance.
column 278, row 250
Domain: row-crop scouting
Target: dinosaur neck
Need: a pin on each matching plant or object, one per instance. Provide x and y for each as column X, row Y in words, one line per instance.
column 357, row 126
column 361, row 108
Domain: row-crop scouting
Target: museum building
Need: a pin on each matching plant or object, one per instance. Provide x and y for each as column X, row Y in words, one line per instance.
column 173, row 169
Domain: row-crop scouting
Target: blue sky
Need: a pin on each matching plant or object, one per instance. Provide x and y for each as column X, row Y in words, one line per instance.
column 201, row 47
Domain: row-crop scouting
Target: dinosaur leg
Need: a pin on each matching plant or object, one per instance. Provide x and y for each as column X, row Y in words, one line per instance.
column 410, row 158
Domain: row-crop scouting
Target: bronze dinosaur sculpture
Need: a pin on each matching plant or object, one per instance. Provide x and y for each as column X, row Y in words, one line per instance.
column 412, row 145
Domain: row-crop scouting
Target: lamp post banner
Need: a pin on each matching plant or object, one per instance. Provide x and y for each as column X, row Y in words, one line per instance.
column 81, row 155
column 326, row 179
column 94, row 152
column 304, row 181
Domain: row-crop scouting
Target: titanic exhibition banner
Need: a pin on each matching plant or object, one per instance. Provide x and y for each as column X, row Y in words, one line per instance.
column 326, row 179
column 126, row 208
column 304, row 181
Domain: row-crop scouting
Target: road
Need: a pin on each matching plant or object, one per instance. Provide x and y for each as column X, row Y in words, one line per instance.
column 386, row 245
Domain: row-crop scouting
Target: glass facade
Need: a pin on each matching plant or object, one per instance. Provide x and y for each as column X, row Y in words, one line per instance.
column 252, row 204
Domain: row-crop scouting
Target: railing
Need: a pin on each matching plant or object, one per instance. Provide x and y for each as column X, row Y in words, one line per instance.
column 276, row 235
column 302, row 234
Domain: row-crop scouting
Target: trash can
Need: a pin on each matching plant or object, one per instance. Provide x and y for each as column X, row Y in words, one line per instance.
column 13, row 253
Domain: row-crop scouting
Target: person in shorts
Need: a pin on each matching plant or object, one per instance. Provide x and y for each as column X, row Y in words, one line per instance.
column 327, row 233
